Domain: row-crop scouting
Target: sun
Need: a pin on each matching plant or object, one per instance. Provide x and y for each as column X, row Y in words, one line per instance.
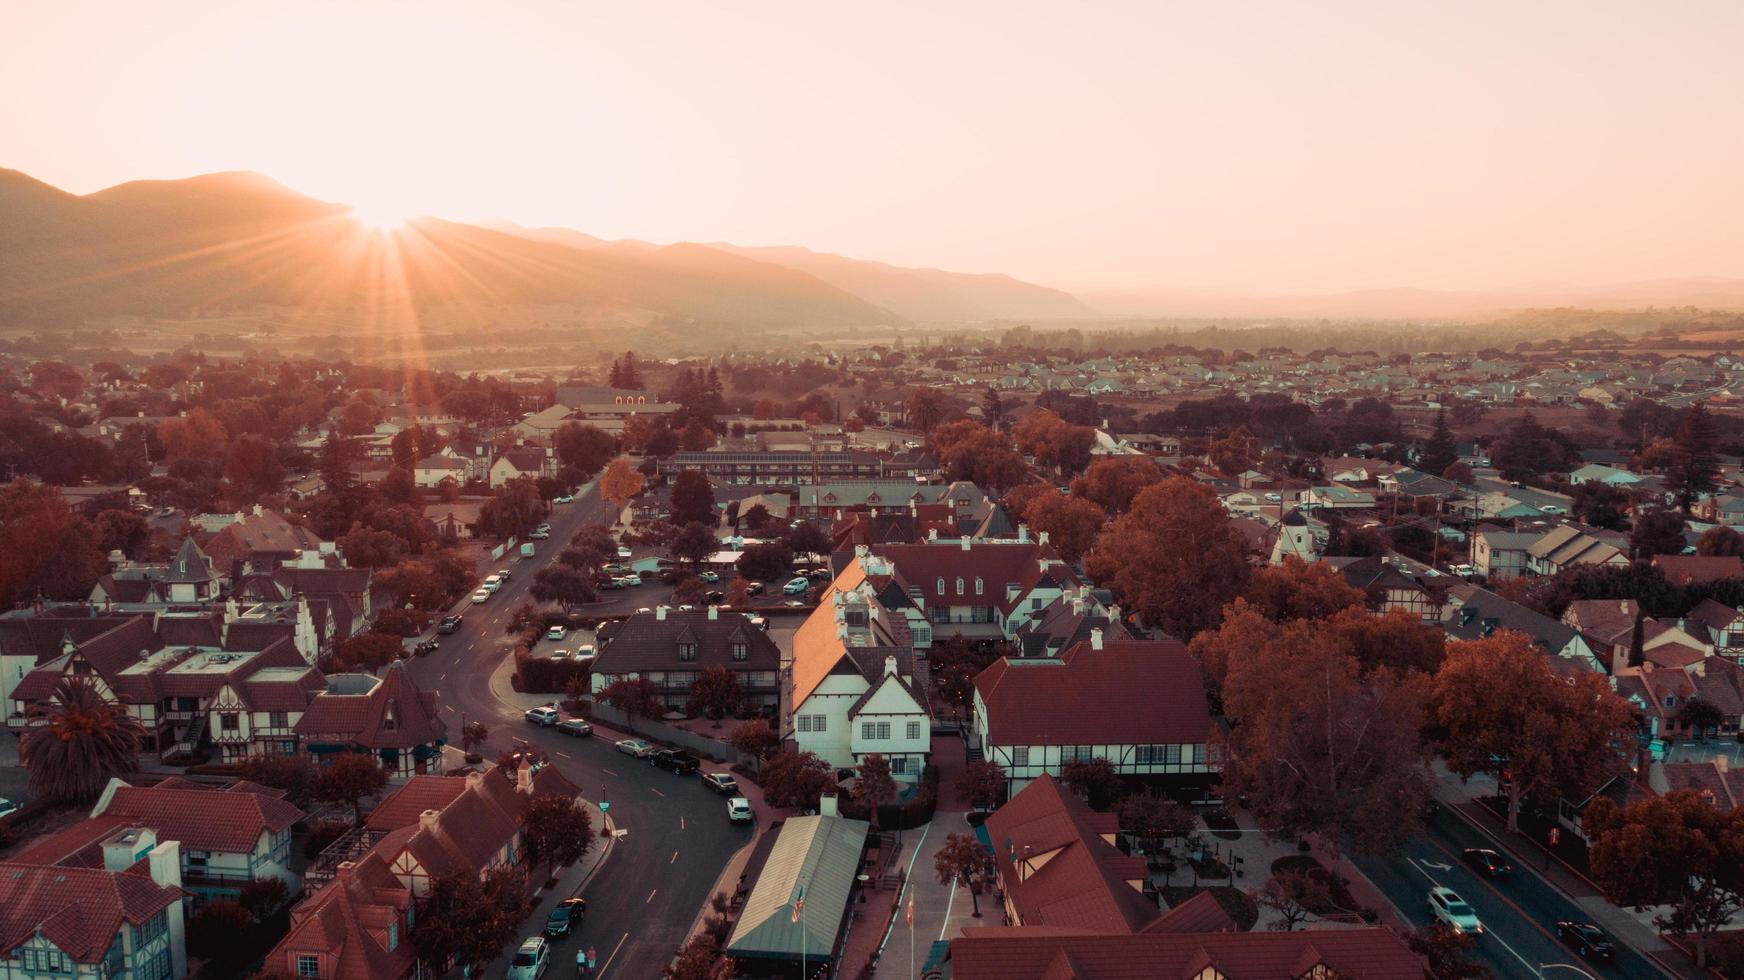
column 380, row 219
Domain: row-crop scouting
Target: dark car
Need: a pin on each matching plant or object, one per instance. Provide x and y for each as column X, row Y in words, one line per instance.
column 1487, row 862
column 682, row 763
column 755, row 588
column 1586, row 939
column 449, row 624
column 565, row 917
column 715, row 597
column 721, row 782
column 425, row 648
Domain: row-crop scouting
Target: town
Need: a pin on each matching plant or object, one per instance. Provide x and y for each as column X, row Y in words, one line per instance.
column 965, row 660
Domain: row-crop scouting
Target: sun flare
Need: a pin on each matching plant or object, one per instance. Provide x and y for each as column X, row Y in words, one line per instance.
column 379, row 218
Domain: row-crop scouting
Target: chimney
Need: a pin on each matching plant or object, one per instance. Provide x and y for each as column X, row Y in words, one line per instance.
column 913, row 509
column 427, row 819
column 965, row 542
column 124, row 848
column 1096, row 638
column 524, row 776
column 714, row 611
column 660, row 613
column 1720, row 763
column 1043, row 539
column 932, row 534
column 1023, row 534
column 1114, row 614
column 890, row 666
column 474, row 779
column 166, row 864
column 827, row 806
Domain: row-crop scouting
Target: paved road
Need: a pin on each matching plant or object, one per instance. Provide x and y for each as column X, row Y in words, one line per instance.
column 676, row 836
column 1519, row 914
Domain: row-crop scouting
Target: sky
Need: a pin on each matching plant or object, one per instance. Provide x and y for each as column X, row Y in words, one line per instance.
column 1254, row 147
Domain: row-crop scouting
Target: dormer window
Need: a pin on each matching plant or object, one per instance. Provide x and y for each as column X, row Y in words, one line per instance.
column 740, row 650
column 687, row 650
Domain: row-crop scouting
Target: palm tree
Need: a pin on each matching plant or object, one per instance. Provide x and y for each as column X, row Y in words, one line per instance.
column 87, row 740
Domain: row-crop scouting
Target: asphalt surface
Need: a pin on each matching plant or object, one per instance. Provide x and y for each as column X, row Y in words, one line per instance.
column 674, row 837
column 1519, row 913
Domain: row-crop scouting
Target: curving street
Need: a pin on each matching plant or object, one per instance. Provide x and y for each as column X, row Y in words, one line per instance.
column 674, row 837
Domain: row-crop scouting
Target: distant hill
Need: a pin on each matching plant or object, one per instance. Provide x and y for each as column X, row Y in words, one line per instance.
column 238, row 240
column 1705, row 293
column 921, row 295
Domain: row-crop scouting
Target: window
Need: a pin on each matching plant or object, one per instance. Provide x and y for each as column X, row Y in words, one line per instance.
column 941, row 614
column 959, row 585
column 813, row 723
column 875, row 730
column 1020, row 755
column 152, row 928
column 279, row 719
column 393, row 936
column 1671, row 700
column 977, row 586
column 1198, row 755
column 740, row 650
column 196, row 859
column 855, row 617
column 1172, row 755
column 1076, row 753
column 913, row 730
column 46, row 961
column 1144, row 755
column 1035, row 604
column 308, row 966
column 898, row 765
column 687, row 651
column 941, row 589
column 229, row 721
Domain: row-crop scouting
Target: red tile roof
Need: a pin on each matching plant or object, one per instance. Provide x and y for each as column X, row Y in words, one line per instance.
column 1130, row 692
column 77, row 909
column 203, row 819
column 1021, row 953
column 395, row 714
column 346, row 924
column 1081, row 881
column 1699, row 569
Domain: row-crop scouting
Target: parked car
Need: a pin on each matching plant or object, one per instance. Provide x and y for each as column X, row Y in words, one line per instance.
column 1487, row 862
column 1274, row 498
column 754, row 588
column 481, row 596
column 575, row 727
column 623, row 553
column 557, row 632
column 7, row 808
column 710, row 577
column 449, row 624
column 538, row 535
column 1587, row 940
column 544, row 716
column 564, row 499
column 797, row 585
column 614, row 568
column 425, row 648
column 636, row 747
column 503, row 574
column 630, row 581
column 1446, row 906
column 562, row 920
column 794, row 604
column 491, row 583
column 714, row 598
column 677, row 763
column 543, row 529
column 531, row 960
column 721, row 782
column 560, row 655
column 739, row 810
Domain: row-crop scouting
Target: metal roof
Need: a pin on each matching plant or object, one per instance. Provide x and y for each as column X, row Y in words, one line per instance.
column 821, row 851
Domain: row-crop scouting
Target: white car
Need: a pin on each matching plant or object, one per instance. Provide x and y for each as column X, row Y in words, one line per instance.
column 556, row 633
column 531, row 960
column 565, row 499
column 1448, row 907
column 482, row 595
column 491, row 583
column 636, row 747
column 560, row 654
column 796, row 586
column 544, row 716
column 739, row 810
column 623, row 554
column 1274, row 497
column 1552, row 509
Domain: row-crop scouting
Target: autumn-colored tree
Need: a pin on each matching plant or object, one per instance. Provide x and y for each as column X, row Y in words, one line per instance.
column 1112, row 481
column 1054, row 442
column 46, row 549
column 473, row 734
column 636, row 697
column 348, row 779
column 1679, row 851
column 86, row 740
column 1018, row 498
column 297, row 775
column 1148, row 818
column 1447, row 952
column 689, row 590
column 699, row 959
column 1070, row 522
column 620, row 483
column 873, row 785
column 370, row 651
column 1398, row 639
column 982, row 783
column 1293, row 896
column 964, row 861
column 196, row 435
column 1300, row 590
column 968, row 450
column 1235, row 453
column 1095, row 780
column 123, row 531
column 796, row 779
column 467, row 920
column 739, row 593
column 1499, row 698
column 1174, row 557
column 754, row 738
column 254, row 467
column 768, row 561
column 716, row 693
column 1318, row 746
column 555, row 830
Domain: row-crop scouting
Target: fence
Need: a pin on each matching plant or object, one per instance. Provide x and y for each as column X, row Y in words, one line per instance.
column 660, row 732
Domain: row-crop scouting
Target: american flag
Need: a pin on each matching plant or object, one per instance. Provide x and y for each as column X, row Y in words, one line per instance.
column 911, row 909
column 799, row 903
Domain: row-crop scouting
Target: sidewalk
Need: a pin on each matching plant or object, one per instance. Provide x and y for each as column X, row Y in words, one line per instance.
column 570, row 880
column 940, row 911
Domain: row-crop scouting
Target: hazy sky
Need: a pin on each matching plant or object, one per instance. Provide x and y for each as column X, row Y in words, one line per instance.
column 1250, row 146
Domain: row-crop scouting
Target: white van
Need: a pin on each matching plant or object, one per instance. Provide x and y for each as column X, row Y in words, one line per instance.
column 492, row 583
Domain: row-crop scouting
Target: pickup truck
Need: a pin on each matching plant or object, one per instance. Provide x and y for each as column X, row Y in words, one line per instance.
column 680, row 763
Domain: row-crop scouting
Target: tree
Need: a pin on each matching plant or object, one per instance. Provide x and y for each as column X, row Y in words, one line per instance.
column 926, row 408
column 1499, row 698
column 467, row 920
column 1677, row 850
column 123, row 531
column 295, row 774
column 369, row 651
column 1174, row 558
column 874, row 786
column 555, row 830
column 46, row 550
column 694, row 543
column 1439, row 452
column 1717, row 541
column 1148, row 818
column 85, row 741
column 563, row 585
column 636, row 697
column 699, row 959
column 693, row 499
column 1528, row 449
column 1657, row 531
column 625, row 373
column 254, row 467
column 1300, row 590
column 1070, row 522
column 1600, row 504
column 964, row 861
column 221, row 933
column 982, row 783
column 1320, row 746
column 716, row 693
column 767, row 562
column 620, row 483
column 754, row 738
column 1293, row 895
column 348, row 779
column 584, row 447
column 1112, row 481
column 796, row 779
column 1700, row 715
column 1460, row 472
column 1695, row 468
column 261, row 897
column 583, row 559
column 1448, row 952
column 806, row 538
column 1096, row 780
column 196, row 435
column 1054, row 442
column 515, row 508
column 473, row 734
column 957, row 686
column 993, row 408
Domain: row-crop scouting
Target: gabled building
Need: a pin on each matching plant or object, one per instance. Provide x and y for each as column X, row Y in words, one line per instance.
column 1569, row 547
column 1387, row 588
column 1057, row 865
column 262, row 539
column 1069, row 621
column 974, row 589
column 673, row 647
column 1140, row 704
column 1722, row 625
column 357, row 926
column 1476, row 613
column 529, row 462
column 387, row 718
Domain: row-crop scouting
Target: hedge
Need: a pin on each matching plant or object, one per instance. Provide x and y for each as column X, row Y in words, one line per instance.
column 913, row 812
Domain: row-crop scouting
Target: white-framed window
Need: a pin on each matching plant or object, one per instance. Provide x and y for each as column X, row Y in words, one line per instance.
column 978, row 586
column 941, row 585
column 308, row 966
column 913, row 730
column 1172, row 755
column 874, row 730
column 1020, row 755
column 959, row 585
column 898, row 765
column 687, row 651
column 279, row 719
column 229, row 721
column 740, row 650
column 812, row 723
